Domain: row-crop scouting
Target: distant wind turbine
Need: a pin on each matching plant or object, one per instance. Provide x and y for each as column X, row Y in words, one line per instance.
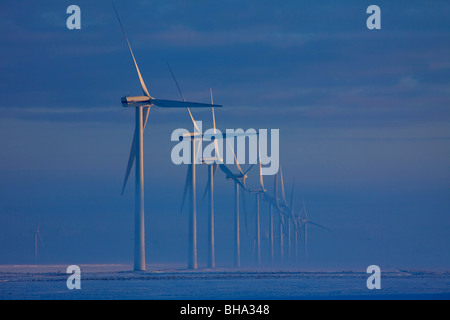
column 239, row 181
column 258, row 193
column 283, row 213
column 287, row 211
column 274, row 203
column 292, row 218
column 142, row 106
column 190, row 185
column 304, row 221
column 37, row 236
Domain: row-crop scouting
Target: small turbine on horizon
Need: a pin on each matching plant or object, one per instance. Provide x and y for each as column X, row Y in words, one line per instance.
column 304, row 222
column 37, row 238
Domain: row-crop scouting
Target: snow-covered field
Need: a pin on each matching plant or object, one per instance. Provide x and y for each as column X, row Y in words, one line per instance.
column 173, row 282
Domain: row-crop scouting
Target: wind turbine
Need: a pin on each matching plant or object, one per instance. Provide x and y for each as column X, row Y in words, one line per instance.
column 209, row 189
column 304, row 221
column 37, row 235
column 190, row 185
column 239, row 181
column 287, row 211
column 142, row 105
column 274, row 203
column 213, row 163
column 294, row 218
column 283, row 213
column 258, row 193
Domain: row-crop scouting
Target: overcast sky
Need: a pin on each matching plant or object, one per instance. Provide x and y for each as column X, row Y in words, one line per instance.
column 363, row 117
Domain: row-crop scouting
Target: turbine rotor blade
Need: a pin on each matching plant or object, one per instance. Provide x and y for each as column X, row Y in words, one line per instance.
column 183, row 98
column 235, row 158
column 231, row 175
column 132, row 155
column 276, row 192
column 261, row 179
column 283, row 194
column 244, row 204
column 249, row 169
column 176, row 82
column 146, row 113
column 39, row 236
column 141, row 80
column 318, row 225
column 164, row 103
column 216, row 143
column 282, row 222
column 130, row 163
column 291, row 202
column 304, row 210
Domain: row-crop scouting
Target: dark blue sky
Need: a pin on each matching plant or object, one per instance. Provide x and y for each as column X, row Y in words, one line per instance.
column 363, row 118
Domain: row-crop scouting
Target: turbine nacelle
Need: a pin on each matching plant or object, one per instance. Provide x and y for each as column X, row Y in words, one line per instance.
column 136, row 101
column 239, row 176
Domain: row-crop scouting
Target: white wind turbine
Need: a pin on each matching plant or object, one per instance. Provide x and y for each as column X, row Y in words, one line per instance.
column 258, row 193
column 274, row 203
column 304, row 222
column 282, row 214
column 294, row 219
column 239, row 181
column 142, row 105
column 190, row 184
column 288, row 212
column 212, row 163
column 209, row 189
column 37, row 236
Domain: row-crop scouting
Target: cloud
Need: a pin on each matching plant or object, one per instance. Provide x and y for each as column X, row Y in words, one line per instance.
column 185, row 36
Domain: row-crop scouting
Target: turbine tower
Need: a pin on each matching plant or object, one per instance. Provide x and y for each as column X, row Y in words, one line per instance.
column 258, row 192
column 142, row 105
column 190, row 185
column 37, row 236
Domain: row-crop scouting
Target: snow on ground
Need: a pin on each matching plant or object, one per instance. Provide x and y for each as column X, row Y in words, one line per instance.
column 115, row 281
